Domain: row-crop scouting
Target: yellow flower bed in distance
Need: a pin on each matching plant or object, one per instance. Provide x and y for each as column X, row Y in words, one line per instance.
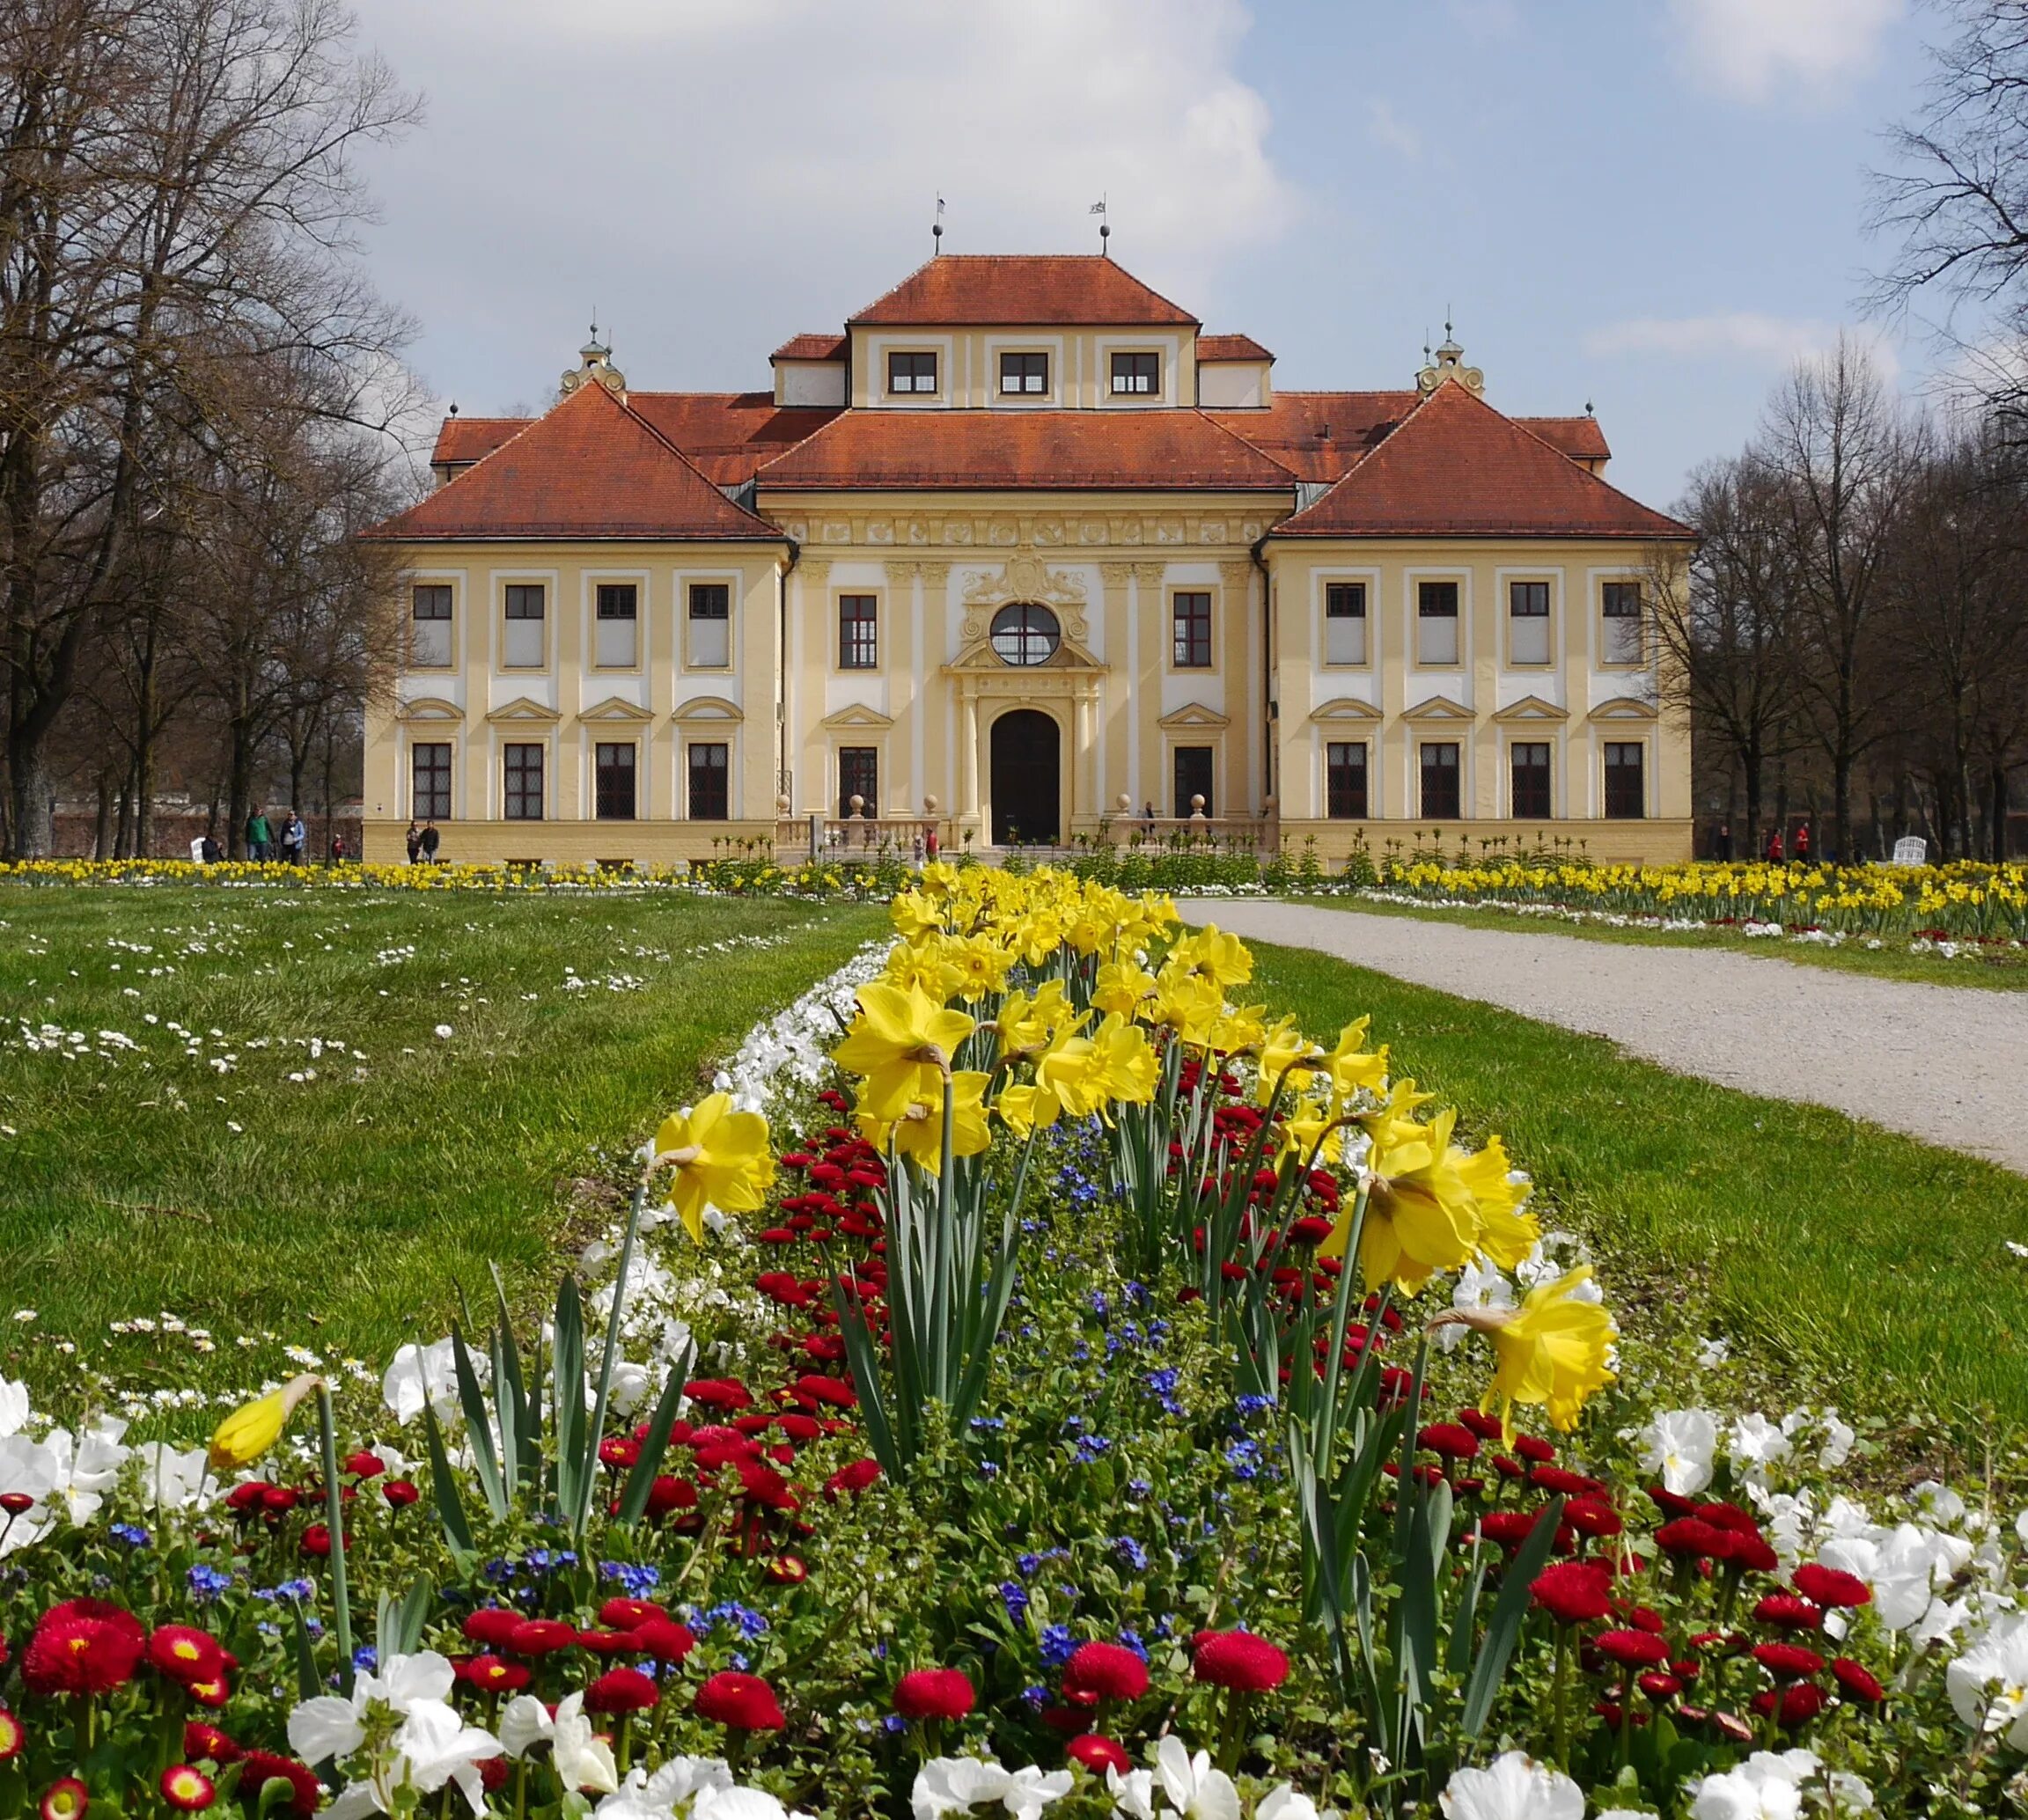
column 1965, row 900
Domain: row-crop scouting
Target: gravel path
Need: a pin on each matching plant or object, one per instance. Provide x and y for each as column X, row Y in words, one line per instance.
column 1948, row 1064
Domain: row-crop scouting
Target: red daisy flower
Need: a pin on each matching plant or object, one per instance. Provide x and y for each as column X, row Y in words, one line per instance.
column 1801, row 1702
column 261, row 1767
column 187, row 1790
column 490, row 1675
column 1632, row 1649
column 1574, row 1592
column 540, row 1636
column 12, row 1738
column 1097, row 1754
column 492, row 1626
column 934, row 1693
column 1832, row 1586
column 78, row 1653
column 1784, row 1612
column 622, row 1691
column 65, row 1800
column 1237, row 1659
column 207, row 1743
column 1858, row 1681
column 1787, row 1661
column 184, row 1653
column 744, row 1702
column 1104, row 1671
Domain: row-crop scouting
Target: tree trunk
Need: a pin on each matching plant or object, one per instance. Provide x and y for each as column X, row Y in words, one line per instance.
column 102, row 834
column 31, row 798
column 1998, row 800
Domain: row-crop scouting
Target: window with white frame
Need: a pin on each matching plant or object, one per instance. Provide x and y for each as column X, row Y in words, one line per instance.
column 522, row 646
column 1440, row 795
column 710, row 612
column 1345, row 622
column 618, row 645
column 613, row 767
column 1436, row 622
column 429, row 627
column 1626, row 781
column 1528, row 622
column 429, row 781
column 1528, row 779
column 1345, row 780
column 1620, row 617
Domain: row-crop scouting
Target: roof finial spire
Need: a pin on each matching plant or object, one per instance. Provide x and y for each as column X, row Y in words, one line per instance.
column 1105, row 227
column 936, row 231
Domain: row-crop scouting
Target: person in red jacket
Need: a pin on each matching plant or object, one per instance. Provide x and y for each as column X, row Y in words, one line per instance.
column 1774, row 847
column 1803, row 843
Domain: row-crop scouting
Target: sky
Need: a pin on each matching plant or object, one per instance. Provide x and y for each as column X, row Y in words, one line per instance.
column 1653, row 206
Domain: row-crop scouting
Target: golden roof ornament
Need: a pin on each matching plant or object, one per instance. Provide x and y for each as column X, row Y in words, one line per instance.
column 1448, row 363
column 597, row 358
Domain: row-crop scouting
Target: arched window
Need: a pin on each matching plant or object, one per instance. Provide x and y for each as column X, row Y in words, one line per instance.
column 1025, row 634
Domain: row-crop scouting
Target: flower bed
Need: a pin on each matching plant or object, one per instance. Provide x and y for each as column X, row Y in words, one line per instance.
column 1031, row 1381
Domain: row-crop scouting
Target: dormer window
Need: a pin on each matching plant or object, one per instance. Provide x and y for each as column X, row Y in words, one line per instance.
column 911, row 372
column 1137, row 375
column 1024, row 375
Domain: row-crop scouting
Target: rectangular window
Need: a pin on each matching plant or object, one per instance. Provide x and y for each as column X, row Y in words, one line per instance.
column 911, row 372
column 1345, row 781
column 1625, row 789
column 1024, row 375
column 859, row 775
column 430, row 782
column 1190, row 614
column 523, row 647
column 1137, row 375
column 710, row 796
column 613, row 778
column 1620, row 607
column 710, row 625
column 619, row 616
column 1440, row 794
column 429, row 627
column 1193, row 780
column 1345, row 622
column 523, row 780
column 858, row 632
column 1528, row 768
column 1528, row 622
column 1436, row 622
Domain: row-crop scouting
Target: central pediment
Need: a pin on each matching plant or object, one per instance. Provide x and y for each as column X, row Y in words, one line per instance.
column 979, row 658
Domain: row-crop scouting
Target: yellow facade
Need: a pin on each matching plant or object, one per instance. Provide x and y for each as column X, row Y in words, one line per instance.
column 861, row 648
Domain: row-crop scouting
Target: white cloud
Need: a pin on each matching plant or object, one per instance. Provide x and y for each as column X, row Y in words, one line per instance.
column 1739, row 336
column 716, row 174
column 1749, row 49
column 1387, row 128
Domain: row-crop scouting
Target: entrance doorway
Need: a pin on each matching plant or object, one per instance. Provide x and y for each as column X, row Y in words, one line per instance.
column 1027, row 776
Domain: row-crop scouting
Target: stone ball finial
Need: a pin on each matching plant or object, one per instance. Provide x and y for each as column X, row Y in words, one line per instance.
column 1126, row 801
column 856, row 802
column 781, row 805
column 930, row 805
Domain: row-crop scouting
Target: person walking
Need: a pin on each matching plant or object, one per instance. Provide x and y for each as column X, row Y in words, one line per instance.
column 1774, row 847
column 1803, row 843
column 431, row 838
column 210, row 851
column 1723, row 846
column 413, row 840
column 337, row 849
column 258, row 838
column 291, row 833
column 1148, row 816
column 931, row 846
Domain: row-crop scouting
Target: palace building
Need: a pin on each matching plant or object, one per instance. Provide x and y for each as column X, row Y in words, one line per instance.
column 1025, row 553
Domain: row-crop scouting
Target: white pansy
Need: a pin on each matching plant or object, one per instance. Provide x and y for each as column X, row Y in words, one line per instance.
column 87, row 1467
column 1988, row 1683
column 1514, row 1787
column 175, row 1481
column 1679, row 1445
column 1133, row 1794
column 954, row 1784
column 1940, row 1504
column 1285, row 1801
column 1838, row 1439
column 1713, row 1353
column 419, row 1375
column 1480, row 1285
column 432, row 1749
column 14, row 1408
column 1192, row 1786
column 1755, row 1443
column 326, row 1726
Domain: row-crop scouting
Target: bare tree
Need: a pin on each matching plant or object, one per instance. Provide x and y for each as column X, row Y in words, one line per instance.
column 1843, row 454
column 1727, row 625
column 176, row 192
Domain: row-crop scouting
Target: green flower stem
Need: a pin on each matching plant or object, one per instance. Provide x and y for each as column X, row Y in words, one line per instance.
column 333, row 1518
column 1562, row 1695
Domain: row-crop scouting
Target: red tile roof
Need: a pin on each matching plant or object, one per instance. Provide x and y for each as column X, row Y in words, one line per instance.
column 978, row 290
column 588, row 468
column 1156, row 450
column 1579, row 437
column 1213, row 349
column 1456, row 467
column 811, row 348
column 727, row 435
column 1319, row 435
column 468, row 439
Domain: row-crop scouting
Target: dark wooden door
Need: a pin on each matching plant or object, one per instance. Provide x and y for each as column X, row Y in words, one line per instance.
column 1027, row 779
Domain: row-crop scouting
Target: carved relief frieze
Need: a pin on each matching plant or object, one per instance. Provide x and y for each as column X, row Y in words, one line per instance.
column 899, row 575
column 1150, row 574
column 1025, row 577
column 935, row 574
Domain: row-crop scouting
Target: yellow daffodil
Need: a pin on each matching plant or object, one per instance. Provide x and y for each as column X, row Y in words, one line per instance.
column 255, row 1426
column 1507, row 1231
column 980, row 965
column 919, row 1131
column 1216, row 955
column 1122, row 987
column 1188, row 1003
column 1239, row 1030
column 914, row 916
column 1123, row 1062
column 1353, row 1066
column 1027, row 1108
column 939, row 878
column 923, row 965
column 901, row 1044
column 1420, row 1216
column 1307, row 1121
column 1281, row 1047
column 1027, row 1025
column 720, row 1159
column 1550, row 1352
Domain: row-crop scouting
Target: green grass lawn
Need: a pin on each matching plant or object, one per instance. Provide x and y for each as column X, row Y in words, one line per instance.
column 2005, row 970
column 335, row 1196
column 1844, row 1263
